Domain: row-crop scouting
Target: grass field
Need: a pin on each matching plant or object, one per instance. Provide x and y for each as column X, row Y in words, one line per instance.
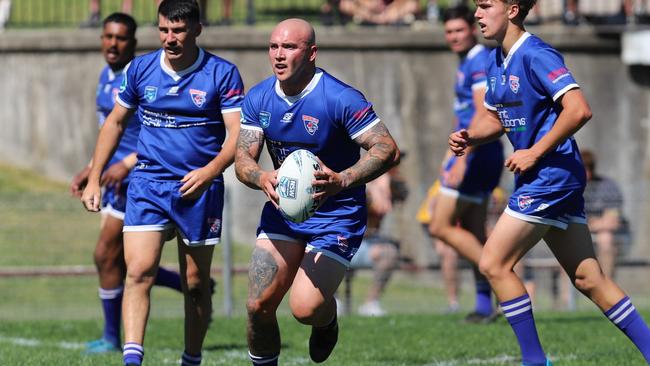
column 45, row 320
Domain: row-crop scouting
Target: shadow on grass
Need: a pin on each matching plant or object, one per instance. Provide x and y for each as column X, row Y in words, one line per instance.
column 234, row 346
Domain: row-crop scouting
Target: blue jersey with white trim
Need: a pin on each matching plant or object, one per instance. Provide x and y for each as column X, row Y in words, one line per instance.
column 324, row 118
column 181, row 112
column 524, row 88
column 107, row 89
column 469, row 76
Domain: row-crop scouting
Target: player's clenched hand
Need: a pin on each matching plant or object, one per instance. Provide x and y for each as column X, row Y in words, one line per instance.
column 195, row 183
column 79, row 182
column 327, row 182
column 521, row 161
column 267, row 183
column 91, row 197
column 114, row 175
column 458, row 142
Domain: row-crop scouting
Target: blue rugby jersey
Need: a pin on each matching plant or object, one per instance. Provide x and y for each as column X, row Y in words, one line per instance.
column 469, row 76
column 324, row 118
column 523, row 88
column 107, row 90
column 181, row 112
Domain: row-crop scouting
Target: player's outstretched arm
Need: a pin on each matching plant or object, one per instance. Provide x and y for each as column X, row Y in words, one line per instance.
column 198, row 180
column 107, row 141
column 485, row 130
column 382, row 155
column 249, row 147
column 575, row 113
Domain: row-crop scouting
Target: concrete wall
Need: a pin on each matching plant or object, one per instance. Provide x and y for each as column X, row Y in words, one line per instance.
column 48, row 78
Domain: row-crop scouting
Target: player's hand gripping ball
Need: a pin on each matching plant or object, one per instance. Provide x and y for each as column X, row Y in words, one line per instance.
column 295, row 188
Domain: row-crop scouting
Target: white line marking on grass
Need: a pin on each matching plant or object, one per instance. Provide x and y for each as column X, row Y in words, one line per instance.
column 26, row 342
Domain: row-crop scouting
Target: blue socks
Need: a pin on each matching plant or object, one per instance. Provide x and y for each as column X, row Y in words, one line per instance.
column 112, row 306
column 169, row 279
column 133, row 354
column 483, row 298
column 628, row 320
column 519, row 313
column 264, row 361
column 190, row 360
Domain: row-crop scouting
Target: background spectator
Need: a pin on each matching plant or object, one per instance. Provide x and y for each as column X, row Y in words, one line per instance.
column 380, row 12
column 603, row 206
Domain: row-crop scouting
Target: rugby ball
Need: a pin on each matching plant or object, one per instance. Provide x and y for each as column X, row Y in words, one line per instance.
column 294, row 185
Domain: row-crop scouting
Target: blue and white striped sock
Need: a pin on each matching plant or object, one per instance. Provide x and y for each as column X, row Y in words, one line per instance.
column 264, row 360
column 112, row 306
column 191, row 360
column 519, row 313
column 629, row 321
column 133, row 353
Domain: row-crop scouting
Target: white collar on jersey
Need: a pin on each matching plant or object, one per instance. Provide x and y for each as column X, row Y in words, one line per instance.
column 514, row 48
column 291, row 99
column 112, row 74
column 474, row 51
column 176, row 75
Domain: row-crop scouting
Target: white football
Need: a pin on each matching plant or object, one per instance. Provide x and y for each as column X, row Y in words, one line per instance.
column 294, row 185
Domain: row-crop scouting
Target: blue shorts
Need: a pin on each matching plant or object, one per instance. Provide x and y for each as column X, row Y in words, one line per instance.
column 482, row 175
column 556, row 208
column 334, row 233
column 114, row 201
column 158, row 206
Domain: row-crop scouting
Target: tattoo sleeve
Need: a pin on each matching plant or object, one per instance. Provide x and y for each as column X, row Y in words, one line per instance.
column 261, row 273
column 382, row 155
column 249, row 148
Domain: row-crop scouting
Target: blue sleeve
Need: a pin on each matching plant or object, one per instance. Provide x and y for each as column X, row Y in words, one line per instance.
column 550, row 73
column 478, row 71
column 251, row 118
column 355, row 113
column 231, row 91
column 128, row 95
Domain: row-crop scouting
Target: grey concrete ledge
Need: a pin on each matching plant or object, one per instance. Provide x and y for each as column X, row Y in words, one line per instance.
column 423, row 37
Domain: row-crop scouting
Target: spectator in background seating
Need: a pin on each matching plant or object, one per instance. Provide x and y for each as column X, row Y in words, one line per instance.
column 380, row 12
column 603, row 206
column 95, row 8
column 377, row 250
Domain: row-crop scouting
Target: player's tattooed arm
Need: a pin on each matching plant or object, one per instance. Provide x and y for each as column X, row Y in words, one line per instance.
column 249, row 147
column 382, row 154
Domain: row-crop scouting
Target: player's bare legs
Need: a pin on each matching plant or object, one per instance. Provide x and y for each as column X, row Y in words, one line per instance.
column 312, row 301
column 575, row 252
column 195, row 265
column 312, row 294
column 108, row 253
column 510, row 239
column 142, row 255
column 272, row 270
column 443, row 226
column 449, row 270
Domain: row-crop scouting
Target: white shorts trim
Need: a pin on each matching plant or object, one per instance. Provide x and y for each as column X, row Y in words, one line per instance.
column 539, row 220
column 450, row 192
column 200, row 243
column 109, row 210
column 142, row 228
column 274, row 236
column 327, row 253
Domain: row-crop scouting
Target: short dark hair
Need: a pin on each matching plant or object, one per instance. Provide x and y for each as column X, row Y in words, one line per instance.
column 180, row 10
column 588, row 159
column 122, row 18
column 524, row 6
column 458, row 12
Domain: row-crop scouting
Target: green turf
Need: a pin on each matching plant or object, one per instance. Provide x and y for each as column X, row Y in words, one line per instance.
column 577, row 339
